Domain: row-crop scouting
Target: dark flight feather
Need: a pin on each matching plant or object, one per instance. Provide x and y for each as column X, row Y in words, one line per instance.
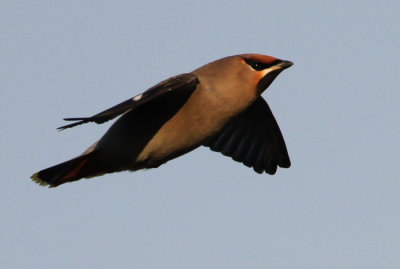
column 186, row 81
column 254, row 139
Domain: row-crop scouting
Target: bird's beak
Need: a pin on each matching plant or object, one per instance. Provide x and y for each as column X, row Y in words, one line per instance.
column 285, row 64
column 271, row 73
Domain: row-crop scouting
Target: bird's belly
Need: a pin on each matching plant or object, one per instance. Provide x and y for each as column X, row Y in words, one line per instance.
column 200, row 118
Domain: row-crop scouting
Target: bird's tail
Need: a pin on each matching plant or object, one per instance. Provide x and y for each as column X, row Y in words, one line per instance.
column 72, row 170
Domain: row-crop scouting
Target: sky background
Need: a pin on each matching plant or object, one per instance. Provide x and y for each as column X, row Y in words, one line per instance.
column 338, row 107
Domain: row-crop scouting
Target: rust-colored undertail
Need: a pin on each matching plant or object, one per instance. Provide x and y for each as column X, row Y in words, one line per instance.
column 72, row 170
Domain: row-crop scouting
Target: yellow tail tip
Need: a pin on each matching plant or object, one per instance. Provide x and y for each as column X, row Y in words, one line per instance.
column 35, row 177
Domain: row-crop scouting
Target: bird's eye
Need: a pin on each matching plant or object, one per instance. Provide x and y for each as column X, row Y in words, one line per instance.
column 255, row 64
column 258, row 66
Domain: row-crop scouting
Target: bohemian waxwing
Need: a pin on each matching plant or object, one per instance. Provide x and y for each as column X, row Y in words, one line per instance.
column 217, row 105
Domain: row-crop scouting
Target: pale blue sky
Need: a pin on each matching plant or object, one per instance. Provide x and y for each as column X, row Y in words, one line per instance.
column 338, row 108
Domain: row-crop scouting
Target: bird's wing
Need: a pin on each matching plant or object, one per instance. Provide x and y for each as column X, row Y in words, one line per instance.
column 254, row 139
column 183, row 83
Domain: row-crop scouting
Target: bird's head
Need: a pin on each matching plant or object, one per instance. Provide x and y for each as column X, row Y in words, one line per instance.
column 263, row 69
column 247, row 71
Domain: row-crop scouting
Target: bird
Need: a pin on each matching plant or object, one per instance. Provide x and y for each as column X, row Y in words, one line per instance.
column 218, row 105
